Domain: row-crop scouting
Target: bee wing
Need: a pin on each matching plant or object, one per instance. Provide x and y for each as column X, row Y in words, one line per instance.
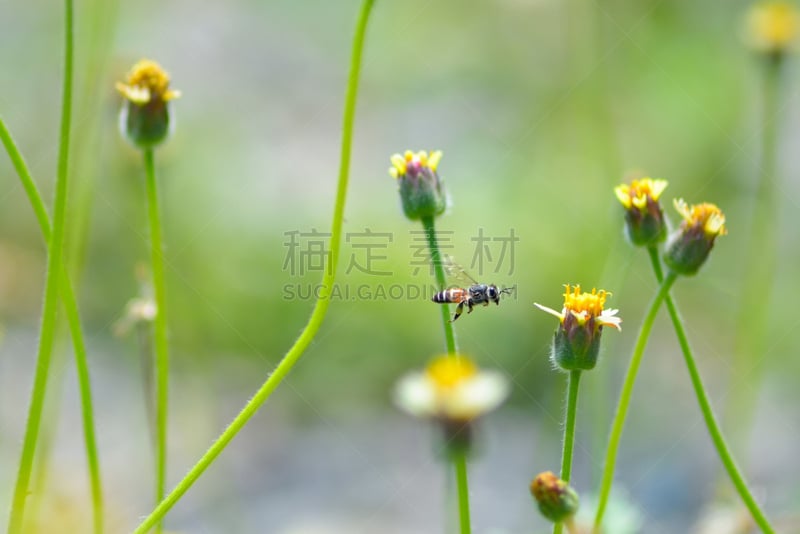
column 454, row 270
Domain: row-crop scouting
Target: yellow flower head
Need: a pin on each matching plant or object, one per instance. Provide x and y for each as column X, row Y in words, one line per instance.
column 576, row 343
column 451, row 388
column 147, row 82
column 772, row 26
column 706, row 216
column 640, row 193
column 583, row 307
column 413, row 163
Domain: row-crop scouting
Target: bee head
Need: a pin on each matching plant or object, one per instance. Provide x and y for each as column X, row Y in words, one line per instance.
column 494, row 294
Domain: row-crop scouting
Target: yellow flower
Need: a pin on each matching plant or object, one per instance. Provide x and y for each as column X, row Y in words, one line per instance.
column 644, row 218
column 147, row 82
column 451, row 388
column 772, row 27
column 413, row 163
column 421, row 191
column 145, row 116
column 576, row 342
column 640, row 193
column 689, row 246
column 584, row 307
column 706, row 216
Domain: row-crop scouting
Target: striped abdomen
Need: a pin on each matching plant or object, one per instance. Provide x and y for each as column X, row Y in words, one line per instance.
column 453, row 295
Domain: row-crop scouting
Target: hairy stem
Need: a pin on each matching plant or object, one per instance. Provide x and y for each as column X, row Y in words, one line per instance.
column 705, row 406
column 51, row 291
column 441, row 280
column 569, row 433
column 320, row 307
column 159, row 324
column 625, row 399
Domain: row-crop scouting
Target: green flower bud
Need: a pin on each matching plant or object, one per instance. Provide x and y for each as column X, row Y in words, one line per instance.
column 690, row 245
column 576, row 343
column 421, row 189
column 644, row 219
column 145, row 114
column 557, row 500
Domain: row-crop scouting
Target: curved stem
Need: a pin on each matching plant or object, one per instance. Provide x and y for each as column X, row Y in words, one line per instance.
column 69, row 302
column 705, row 406
column 460, row 463
column 625, row 399
column 569, row 433
column 441, row 280
column 159, row 324
column 51, row 291
column 320, row 307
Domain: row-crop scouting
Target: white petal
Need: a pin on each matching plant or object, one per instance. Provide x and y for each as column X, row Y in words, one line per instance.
column 551, row 311
column 416, row 395
column 476, row 397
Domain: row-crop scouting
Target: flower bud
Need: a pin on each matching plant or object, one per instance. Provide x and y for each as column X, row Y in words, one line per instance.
column 644, row 219
column 557, row 500
column 576, row 343
column 689, row 246
column 421, row 191
column 145, row 115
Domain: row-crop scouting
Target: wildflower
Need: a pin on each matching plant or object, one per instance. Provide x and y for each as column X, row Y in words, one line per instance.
column 145, row 115
column 421, row 190
column 576, row 342
column 643, row 215
column 689, row 246
column 772, row 27
column 557, row 500
column 453, row 392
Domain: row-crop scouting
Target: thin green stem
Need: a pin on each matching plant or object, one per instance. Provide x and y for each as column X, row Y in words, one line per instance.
column 320, row 307
column 569, row 433
column 625, row 399
column 705, row 406
column 51, row 291
column 460, row 464
column 73, row 319
column 159, row 324
column 441, row 280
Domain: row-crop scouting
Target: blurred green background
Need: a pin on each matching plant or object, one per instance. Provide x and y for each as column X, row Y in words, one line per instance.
column 540, row 107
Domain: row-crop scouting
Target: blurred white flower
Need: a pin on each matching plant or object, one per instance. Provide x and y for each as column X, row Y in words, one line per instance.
column 451, row 388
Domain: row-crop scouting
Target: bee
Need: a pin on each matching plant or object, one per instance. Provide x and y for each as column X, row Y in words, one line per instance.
column 470, row 296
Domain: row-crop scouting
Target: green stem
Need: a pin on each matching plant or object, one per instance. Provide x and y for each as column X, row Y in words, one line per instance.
column 460, row 464
column 51, row 291
column 69, row 302
column 569, row 433
column 625, row 398
column 441, row 280
column 320, row 307
column 705, row 406
column 159, row 324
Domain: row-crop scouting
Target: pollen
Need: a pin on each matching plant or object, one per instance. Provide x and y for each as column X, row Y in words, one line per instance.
column 449, row 371
column 584, row 303
column 706, row 216
column 640, row 192
column 147, row 82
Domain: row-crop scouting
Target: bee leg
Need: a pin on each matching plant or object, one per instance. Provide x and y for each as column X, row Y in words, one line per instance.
column 470, row 305
column 459, row 311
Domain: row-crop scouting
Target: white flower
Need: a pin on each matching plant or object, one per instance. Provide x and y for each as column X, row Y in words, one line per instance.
column 451, row 388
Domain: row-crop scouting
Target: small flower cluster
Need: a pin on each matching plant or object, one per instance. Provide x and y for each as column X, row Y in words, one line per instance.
column 689, row 246
column 422, row 192
column 145, row 116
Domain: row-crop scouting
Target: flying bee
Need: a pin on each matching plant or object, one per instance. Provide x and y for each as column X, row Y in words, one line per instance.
column 470, row 296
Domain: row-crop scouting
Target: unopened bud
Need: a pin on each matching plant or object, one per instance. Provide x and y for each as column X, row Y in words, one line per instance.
column 557, row 500
column 421, row 190
column 690, row 245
